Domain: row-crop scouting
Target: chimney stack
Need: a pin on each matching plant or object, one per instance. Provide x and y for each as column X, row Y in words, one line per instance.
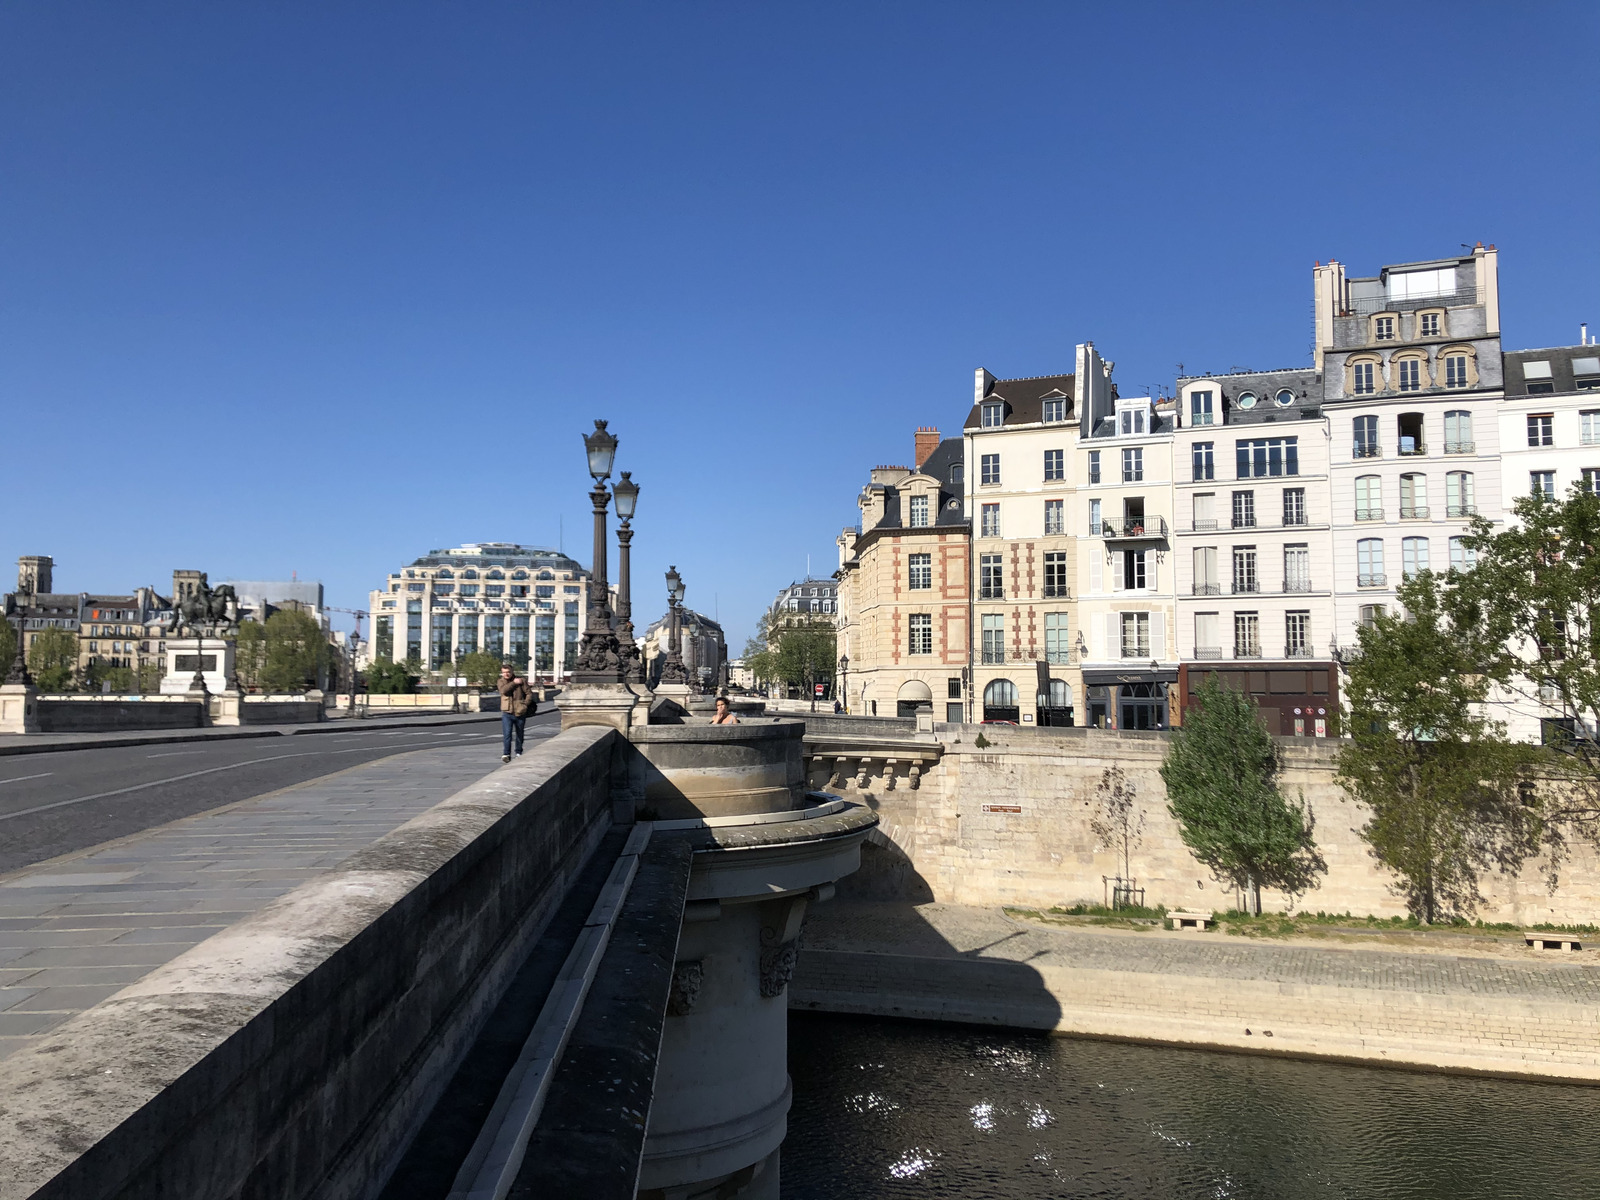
column 927, row 443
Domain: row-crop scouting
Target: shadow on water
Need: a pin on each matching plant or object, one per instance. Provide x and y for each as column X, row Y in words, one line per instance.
column 895, row 1109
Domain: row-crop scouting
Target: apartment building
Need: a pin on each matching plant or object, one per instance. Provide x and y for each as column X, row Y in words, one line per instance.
column 1254, row 550
column 1549, row 422
column 1022, row 476
column 1410, row 363
column 903, row 599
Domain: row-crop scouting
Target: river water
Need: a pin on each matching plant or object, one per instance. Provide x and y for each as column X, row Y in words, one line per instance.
column 903, row 1109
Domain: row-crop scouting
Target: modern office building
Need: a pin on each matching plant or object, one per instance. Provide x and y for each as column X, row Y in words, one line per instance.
column 525, row 603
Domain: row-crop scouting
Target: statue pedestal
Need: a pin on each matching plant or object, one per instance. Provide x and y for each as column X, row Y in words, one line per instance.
column 225, row 708
column 19, row 708
column 612, row 704
column 216, row 663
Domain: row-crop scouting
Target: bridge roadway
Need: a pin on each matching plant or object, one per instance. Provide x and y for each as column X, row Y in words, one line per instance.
column 115, row 860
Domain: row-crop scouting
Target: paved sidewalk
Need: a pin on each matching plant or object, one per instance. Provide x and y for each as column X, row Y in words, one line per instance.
column 77, row 929
column 45, row 743
column 958, row 932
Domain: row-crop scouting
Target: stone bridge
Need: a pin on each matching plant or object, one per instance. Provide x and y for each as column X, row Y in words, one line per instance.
column 566, row 979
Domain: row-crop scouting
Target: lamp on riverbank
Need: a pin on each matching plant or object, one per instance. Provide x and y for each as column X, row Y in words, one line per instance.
column 626, row 492
column 672, row 670
column 598, row 659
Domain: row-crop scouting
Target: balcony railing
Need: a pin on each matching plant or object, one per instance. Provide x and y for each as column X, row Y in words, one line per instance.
column 1242, row 587
column 991, row 592
column 1414, row 513
column 1297, row 652
column 1413, row 450
column 1057, row 591
column 1461, row 447
column 1365, row 306
column 1208, row 589
column 1244, row 521
column 1247, row 651
column 1369, row 514
column 1295, row 519
column 1147, row 528
column 1136, row 650
column 1297, row 585
column 1367, row 450
column 1372, row 581
column 1203, row 524
column 1208, row 651
column 1461, row 510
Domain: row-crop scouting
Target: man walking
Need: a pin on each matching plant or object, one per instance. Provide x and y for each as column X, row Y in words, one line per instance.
column 516, row 702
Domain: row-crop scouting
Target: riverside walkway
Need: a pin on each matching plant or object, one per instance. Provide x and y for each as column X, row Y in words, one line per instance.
column 80, row 927
column 1487, row 1006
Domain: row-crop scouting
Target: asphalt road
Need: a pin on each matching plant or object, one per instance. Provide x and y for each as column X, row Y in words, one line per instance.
column 53, row 804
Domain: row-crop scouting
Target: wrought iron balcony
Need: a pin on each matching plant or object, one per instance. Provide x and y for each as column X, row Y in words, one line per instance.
column 1297, row 652
column 1148, row 529
column 1203, row 524
column 1369, row 514
column 1247, row 650
column 1461, row 510
column 1242, row 587
column 1366, row 306
column 1414, row 513
column 1416, row 448
column 1461, row 447
column 1208, row 651
column 1244, row 521
column 1208, row 589
column 1367, row 450
column 1057, row 591
column 1297, row 585
column 1372, row 581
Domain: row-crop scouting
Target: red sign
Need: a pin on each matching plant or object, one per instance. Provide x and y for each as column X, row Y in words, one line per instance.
column 819, row 689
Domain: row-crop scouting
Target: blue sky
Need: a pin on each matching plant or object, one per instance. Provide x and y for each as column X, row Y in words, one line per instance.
column 316, row 288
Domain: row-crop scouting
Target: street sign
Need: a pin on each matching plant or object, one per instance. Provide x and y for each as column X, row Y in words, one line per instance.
column 456, row 681
column 820, row 689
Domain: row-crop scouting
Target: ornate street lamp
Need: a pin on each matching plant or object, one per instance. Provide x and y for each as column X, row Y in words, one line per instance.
column 844, row 677
column 19, row 664
column 626, row 492
column 672, row 670
column 598, row 660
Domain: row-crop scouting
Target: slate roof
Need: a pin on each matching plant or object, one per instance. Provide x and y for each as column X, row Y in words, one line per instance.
column 1562, row 372
column 1024, row 398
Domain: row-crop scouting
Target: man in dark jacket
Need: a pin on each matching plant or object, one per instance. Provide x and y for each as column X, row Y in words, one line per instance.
column 516, row 702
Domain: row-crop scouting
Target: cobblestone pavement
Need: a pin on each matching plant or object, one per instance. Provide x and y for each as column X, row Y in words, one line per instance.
column 954, row 931
column 77, row 929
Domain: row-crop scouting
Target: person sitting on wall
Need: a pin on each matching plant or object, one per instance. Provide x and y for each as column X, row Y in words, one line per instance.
column 724, row 713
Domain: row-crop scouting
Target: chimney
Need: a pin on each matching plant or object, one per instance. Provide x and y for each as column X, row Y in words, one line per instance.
column 927, row 443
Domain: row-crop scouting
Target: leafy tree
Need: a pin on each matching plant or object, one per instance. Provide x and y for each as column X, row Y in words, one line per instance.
column 1444, row 787
column 480, row 669
column 390, row 678
column 804, row 655
column 8, row 647
column 1222, row 773
column 250, row 653
column 296, row 651
column 53, row 657
column 150, row 676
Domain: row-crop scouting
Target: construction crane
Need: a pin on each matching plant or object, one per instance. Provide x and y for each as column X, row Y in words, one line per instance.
column 357, row 613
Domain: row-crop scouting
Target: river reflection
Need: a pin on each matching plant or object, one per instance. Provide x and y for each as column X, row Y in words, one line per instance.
column 893, row 1109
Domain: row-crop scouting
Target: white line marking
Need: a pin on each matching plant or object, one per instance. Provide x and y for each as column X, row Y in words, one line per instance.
column 20, row 778
column 175, row 753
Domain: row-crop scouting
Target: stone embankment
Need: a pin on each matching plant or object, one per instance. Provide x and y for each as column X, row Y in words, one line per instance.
column 1474, row 1007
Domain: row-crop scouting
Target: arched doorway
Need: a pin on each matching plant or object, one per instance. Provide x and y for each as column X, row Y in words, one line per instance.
column 1000, row 701
column 914, row 696
column 1142, row 705
column 1056, row 708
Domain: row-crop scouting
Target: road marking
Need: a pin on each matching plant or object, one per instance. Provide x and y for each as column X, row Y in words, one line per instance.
column 20, row 778
column 174, row 753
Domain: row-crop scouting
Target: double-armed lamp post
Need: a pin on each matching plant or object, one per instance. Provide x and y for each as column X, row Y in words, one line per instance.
column 607, row 654
column 627, row 493
column 672, row 670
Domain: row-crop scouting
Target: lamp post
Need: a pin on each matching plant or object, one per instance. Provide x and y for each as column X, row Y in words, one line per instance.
column 844, row 680
column 598, row 661
column 672, row 670
column 18, row 673
column 626, row 492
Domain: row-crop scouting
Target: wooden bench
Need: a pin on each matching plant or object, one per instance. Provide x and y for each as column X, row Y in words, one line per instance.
column 1189, row 920
column 1552, row 941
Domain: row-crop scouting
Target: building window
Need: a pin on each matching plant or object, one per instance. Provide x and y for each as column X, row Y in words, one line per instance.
column 991, row 585
column 1541, row 429
column 1095, row 527
column 1094, row 466
column 1205, row 466
column 1369, row 563
column 1055, row 521
column 1460, row 495
column 1409, row 371
column 993, row 416
column 1200, row 409
column 1057, row 646
column 989, row 520
column 957, row 474
column 1133, row 464
column 1590, row 478
column 1369, row 498
column 994, row 639
column 544, row 590
column 921, row 627
column 1055, row 465
column 1244, row 510
column 1537, row 375
column 1413, row 556
column 1284, row 398
column 921, row 572
column 1542, row 483
column 1247, row 635
column 1462, row 556
column 1245, row 579
column 1370, row 614
column 1365, row 443
column 1132, row 421
column 1455, row 371
column 1205, row 511
column 1297, row 568
column 1206, row 642
column 1429, row 325
column 989, row 469
column 1133, row 570
column 1458, row 432
column 1268, row 456
column 919, row 511
column 1205, row 571
column 1297, row 635
column 1589, row 423
column 1413, row 497
column 1135, row 635
column 1363, row 378
column 1055, row 575
column 1055, row 410
column 1246, row 400
column 1383, row 329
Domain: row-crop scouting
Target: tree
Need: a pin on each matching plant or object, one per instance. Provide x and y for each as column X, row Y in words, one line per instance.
column 1116, row 822
column 8, row 647
column 1221, row 772
column 296, row 651
column 804, row 655
column 1444, row 787
column 481, row 669
column 53, row 657
column 390, row 678
column 250, row 653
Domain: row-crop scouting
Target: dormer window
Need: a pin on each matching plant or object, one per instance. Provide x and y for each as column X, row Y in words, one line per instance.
column 1055, row 409
column 1131, row 421
column 1383, row 329
column 1200, row 409
column 918, row 511
column 1538, row 377
column 1428, row 324
column 993, row 415
column 1284, row 398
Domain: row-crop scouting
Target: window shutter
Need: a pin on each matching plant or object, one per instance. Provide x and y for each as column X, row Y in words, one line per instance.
column 1118, row 569
column 1158, row 636
column 1096, row 568
column 1097, row 644
column 1151, row 566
